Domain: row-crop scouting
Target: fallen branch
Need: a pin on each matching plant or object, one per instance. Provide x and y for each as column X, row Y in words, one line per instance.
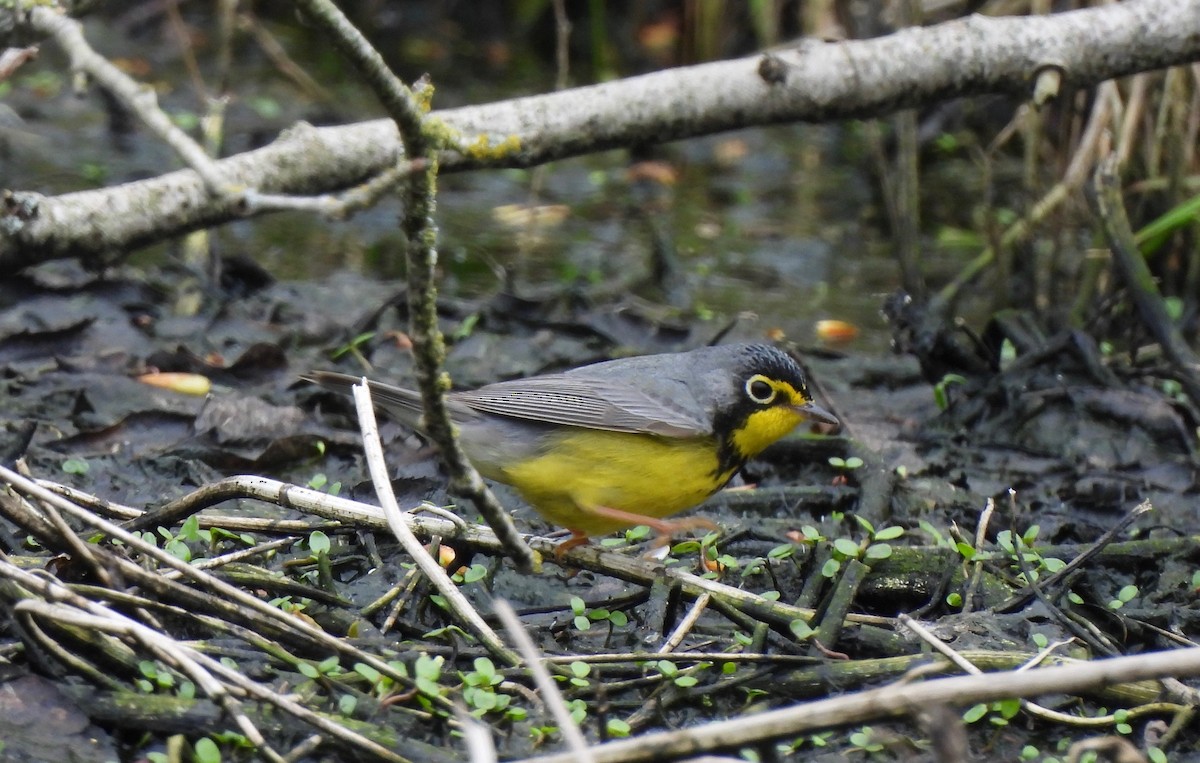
column 889, row 702
column 813, row 81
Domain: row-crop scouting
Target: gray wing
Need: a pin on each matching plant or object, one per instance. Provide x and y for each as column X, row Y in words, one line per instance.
column 593, row 403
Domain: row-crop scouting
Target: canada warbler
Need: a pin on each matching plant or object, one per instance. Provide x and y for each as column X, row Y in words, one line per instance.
column 623, row 442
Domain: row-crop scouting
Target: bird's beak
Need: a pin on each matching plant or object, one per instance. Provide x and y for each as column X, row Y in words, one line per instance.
column 814, row 412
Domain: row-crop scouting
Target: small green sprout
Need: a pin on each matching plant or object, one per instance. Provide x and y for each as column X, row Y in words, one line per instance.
column 940, row 390
column 1124, row 596
column 76, row 466
column 326, row 667
column 848, row 464
column 584, row 617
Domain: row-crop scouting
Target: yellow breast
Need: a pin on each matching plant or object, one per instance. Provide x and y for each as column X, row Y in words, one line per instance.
column 636, row 473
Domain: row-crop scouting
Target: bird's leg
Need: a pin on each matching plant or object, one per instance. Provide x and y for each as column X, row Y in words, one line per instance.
column 664, row 528
column 577, row 539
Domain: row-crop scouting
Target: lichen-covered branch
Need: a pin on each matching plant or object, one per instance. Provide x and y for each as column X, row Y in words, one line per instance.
column 420, row 231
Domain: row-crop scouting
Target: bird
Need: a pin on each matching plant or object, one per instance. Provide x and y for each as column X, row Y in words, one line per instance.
column 622, row 442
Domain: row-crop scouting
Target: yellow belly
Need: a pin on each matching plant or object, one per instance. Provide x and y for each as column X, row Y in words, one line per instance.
column 638, row 473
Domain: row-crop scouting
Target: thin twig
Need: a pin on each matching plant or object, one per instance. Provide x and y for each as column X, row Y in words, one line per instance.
column 888, row 702
column 1095, row 548
column 1029, row 706
column 477, row 738
column 685, row 626
column 237, row 556
column 407, row 110
column 1073, row 178
column 75, row 610
column 12, row 59
column 580, row 752
column 336, row 206
column 226, row 593
column 454, row 597
column 621, row 566
column 985, row 519
column 1135, row 272
column 278, row 55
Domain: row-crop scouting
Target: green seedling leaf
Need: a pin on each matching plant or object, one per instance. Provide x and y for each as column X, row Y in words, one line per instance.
column 846, row 548
column 637, row 533
column 878, row 551
column 801, row 629
column 366, row 671
column 318, row 542
column 308, row 670
column 190, row 529
column 329, row 664
column 891, row 532
column 830, row 568
column 1053, row 565
column 475, row 573
column 206, row 751
column 76, row 466
column 485, row 667
column 1008, row 708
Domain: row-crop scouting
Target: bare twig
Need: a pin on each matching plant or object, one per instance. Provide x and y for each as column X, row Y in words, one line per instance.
column 1032, row 708
column 1089, row 144
column 621, row 566
column 685, row 625
column 1095, row 548
column 455, row 599
column 12, row 59
column 889, row 702
column 985, row 519
column 336, row 206
column 819, row 82
column 278, row 56
column 225, row 592
column 545, row 682
column 166, row 649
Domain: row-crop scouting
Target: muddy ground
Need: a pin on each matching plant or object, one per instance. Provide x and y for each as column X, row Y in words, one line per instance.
column 994, row 459
column 1063, row 442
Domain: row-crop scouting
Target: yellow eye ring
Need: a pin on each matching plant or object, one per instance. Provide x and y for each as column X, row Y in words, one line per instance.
column 760, row 389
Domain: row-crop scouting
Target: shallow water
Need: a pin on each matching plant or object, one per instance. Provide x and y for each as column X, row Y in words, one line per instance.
column 780, row 223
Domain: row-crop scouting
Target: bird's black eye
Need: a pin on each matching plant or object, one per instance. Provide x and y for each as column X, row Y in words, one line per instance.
column 759, row 389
